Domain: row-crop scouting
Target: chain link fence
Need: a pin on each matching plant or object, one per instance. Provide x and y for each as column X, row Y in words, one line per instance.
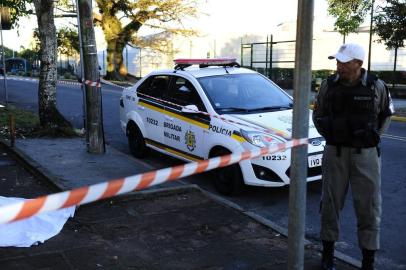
column 276, row 60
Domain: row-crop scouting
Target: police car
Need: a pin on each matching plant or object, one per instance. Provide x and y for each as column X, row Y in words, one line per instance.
column 205, row 108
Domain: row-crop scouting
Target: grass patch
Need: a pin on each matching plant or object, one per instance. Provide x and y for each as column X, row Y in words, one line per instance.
column 27, row 125
column 23, row 118
column 25, row 121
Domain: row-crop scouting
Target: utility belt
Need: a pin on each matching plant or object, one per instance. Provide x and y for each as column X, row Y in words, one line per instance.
column 358, row 149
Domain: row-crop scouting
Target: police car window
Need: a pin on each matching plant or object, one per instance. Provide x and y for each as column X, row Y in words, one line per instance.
column 154, row 86
column 183, row 93
column 244, row 92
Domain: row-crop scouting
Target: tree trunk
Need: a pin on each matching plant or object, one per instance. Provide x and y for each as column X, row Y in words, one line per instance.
column 49, row 116
column 116, row 69
column 122, row 69
column 111, row 60
column 112, row 28
column 117, row 38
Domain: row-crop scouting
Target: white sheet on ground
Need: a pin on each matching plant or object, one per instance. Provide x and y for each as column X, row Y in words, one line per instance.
column 34, row 230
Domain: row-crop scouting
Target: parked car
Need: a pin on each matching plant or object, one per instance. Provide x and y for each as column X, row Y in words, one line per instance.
column 173, row 111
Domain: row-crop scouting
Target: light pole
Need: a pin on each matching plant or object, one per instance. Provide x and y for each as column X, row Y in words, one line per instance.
column 370, row 36
column 4, row 58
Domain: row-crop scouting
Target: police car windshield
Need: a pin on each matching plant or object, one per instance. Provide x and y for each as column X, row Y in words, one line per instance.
column 244, row 93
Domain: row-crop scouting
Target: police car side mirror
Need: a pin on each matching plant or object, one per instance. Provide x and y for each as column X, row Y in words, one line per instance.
column 190, row 109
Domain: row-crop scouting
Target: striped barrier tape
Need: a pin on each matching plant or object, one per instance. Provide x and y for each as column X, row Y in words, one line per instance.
column 92, row 193
column 98, row 84
column 86, row 82
column 276, row 132
column 91, row 83
column 265, row 130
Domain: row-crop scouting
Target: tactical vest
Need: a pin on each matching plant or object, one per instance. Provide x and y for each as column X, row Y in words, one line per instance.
column 352, row 114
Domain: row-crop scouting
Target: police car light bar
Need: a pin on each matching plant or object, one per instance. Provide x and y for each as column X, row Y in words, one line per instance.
column 205, row 62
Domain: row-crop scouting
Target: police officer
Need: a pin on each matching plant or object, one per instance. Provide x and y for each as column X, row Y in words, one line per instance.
column 351, row 111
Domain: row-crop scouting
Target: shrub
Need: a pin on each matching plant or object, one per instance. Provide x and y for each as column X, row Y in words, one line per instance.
column 67, row 75
column 387, row 76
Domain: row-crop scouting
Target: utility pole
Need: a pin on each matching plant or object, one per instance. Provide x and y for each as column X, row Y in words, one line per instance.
column 4, row 25
column 301, row 86
column 370, row 36
column 93, row 95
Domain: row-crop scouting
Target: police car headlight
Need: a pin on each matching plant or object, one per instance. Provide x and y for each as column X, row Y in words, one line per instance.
column 261, row 139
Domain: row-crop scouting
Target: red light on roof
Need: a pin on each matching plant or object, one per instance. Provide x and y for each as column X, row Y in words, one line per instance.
column 205, row 61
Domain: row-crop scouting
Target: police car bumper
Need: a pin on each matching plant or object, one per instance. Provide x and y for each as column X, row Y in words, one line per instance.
column 257, row 172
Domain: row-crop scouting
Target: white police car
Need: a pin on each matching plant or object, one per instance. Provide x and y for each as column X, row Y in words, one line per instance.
column 173, row 111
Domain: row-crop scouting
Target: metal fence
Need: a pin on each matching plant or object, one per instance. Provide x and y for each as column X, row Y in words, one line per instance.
column 274, row 59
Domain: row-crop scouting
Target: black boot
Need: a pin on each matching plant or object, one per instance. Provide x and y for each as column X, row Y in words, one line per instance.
column 368, row 259
column 327, row 259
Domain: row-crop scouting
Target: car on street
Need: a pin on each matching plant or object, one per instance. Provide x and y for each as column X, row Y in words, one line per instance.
column 205, row 108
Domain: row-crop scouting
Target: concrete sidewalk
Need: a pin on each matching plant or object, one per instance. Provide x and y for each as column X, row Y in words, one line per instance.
column 174, row 226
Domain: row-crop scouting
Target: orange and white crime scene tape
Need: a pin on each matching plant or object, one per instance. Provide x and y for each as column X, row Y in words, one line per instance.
column 91, row 83
column 87, row 194
column 86, row 82
column 265, row 130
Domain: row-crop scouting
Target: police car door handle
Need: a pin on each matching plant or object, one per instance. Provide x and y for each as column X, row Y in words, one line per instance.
column 168, row 118
column 141, row 107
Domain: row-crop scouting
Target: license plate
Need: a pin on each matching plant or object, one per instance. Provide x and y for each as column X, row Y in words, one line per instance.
column 315, row 160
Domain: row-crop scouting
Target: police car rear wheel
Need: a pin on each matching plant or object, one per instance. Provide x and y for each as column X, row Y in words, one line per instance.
column 136, row 141
column 228, row 180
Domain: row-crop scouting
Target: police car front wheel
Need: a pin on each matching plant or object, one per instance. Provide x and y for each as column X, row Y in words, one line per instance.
column 136, row 141
column 228, row 180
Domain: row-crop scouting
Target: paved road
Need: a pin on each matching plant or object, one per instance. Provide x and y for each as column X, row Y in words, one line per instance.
column 269, row 203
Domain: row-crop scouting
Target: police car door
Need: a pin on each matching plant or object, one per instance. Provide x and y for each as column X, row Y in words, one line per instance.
column 184, row 131
column 152, row 110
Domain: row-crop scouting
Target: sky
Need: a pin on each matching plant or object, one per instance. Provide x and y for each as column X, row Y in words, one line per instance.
column 251, row 16
column 219, row 17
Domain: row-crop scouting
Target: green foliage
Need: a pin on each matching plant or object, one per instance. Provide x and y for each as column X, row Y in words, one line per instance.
column 121, row 20
column 18, row 9
column 37, row 43
column 25, row 121
column 27, row 125
column 391, row 24
column 322, row 73
column 68, row 75
column 349, row 14
column 29, row 54
column 68, row 41
column 8, row 52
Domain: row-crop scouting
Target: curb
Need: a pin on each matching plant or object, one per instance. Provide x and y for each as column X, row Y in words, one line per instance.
column 283, row 231
column 44, row 175
column 398, row 118
column 32, row 166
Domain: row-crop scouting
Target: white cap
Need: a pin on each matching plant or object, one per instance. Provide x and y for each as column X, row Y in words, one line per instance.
column 348, row 52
